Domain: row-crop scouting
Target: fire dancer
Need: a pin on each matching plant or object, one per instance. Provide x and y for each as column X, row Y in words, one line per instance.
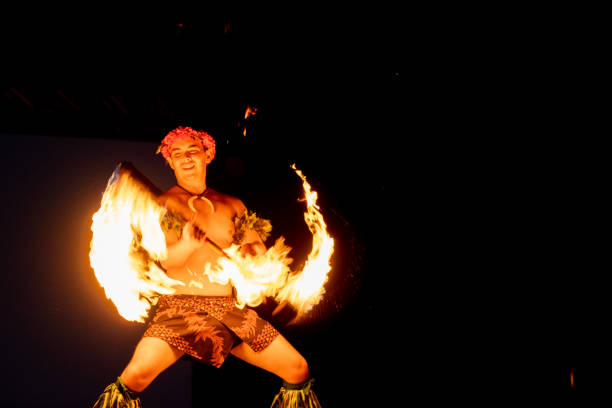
column 202, row 319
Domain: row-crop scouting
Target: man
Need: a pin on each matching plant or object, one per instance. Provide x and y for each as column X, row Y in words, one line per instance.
column 202, row 320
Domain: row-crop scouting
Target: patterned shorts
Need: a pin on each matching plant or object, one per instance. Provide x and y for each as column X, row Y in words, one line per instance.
column 207, row 327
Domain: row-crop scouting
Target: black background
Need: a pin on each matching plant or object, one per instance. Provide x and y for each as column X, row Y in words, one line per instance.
column 433, row 292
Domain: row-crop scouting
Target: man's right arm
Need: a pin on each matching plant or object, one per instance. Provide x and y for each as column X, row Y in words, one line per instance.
column 179, row 250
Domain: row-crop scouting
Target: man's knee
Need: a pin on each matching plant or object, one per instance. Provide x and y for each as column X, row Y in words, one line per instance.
column 299, row 370
column 136, row 377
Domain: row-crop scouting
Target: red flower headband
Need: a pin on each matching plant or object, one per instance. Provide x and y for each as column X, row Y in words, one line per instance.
column 182, row 132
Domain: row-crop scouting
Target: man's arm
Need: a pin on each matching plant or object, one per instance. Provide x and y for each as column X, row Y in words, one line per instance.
column 179, row 250
column 252, row 243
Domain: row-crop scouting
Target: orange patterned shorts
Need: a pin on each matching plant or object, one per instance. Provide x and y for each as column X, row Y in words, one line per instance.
column 208, row 327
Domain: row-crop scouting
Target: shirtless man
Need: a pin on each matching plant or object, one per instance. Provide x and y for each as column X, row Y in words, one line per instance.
column 185, row 320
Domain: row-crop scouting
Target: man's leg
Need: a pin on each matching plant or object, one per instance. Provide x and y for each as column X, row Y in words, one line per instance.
column 279, row 358
column 151, row 357
column 282, row 359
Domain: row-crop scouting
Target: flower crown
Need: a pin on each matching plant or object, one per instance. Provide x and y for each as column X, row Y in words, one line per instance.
column 183, row 132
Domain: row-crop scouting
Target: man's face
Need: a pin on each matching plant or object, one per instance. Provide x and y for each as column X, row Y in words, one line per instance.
column 188, row 159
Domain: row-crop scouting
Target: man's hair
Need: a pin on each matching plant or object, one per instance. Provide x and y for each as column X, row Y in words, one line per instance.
column 186, row 132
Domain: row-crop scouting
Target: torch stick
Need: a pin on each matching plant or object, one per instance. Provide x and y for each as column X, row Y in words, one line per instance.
column 280, row 307
column 215, row 247
column 127, row 169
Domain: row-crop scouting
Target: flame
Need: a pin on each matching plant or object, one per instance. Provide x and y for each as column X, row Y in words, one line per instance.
column 305, row 289
column 127, row 242
column 254, row 278
column 268, row 274
column 250, row 111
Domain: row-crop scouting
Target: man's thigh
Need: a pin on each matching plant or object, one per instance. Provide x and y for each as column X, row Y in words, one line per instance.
column 151, row 357
column 278, row 358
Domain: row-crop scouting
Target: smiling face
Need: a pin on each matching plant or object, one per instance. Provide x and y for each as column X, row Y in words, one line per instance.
column 189, row 159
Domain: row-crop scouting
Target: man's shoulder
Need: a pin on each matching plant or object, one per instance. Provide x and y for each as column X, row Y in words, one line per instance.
column 172, row 194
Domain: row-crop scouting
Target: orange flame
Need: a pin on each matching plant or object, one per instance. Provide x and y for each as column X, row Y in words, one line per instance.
column 268, row 274
column 126, row 243
column 254, row 278
column 306, row 288
column 250, row 111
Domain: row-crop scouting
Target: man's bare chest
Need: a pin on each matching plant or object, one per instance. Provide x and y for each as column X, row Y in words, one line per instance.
column 218, row 226
column 216, row 220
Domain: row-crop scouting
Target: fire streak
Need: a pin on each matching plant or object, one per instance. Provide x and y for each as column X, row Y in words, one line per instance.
column 305, row 289
column 126, row 243
column 268, row 275
column 250, row 111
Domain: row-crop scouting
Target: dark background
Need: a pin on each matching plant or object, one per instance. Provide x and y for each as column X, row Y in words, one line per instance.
column 426, row 298
column 321, row 104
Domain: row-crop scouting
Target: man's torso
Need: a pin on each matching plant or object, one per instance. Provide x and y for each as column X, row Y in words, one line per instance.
column 218, row 226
